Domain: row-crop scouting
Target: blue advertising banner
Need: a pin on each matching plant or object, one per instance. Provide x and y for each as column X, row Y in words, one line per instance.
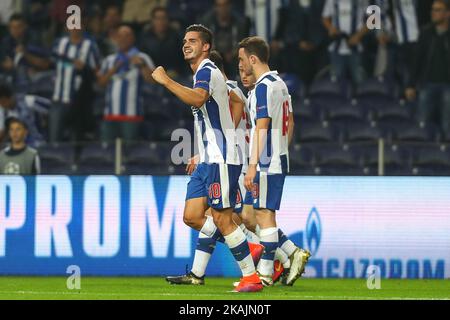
column 110, row 225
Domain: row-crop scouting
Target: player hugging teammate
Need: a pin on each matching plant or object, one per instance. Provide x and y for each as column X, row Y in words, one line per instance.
column 227, row 152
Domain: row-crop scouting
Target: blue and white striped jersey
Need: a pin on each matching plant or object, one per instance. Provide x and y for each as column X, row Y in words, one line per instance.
column 407, row 26
column 271, row 99
column 123, row 94
column 264, row 16
column 68, row 80
column 348, row 17
column 244, row 126
column 216, row 135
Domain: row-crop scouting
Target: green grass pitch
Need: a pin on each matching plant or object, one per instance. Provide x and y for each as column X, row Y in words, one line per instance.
column 94, row 288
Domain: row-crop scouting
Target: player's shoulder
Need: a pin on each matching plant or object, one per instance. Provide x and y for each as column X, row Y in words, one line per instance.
column 208, row 67
column 270, row 78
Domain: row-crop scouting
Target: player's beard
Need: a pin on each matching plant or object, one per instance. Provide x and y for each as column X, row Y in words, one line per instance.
column 250, row 71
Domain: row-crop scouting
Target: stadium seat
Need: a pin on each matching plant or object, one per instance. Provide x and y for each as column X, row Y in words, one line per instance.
column 413, row 132
column 57, row 158
column 328, row 88
column 317, row 132
column 364, row 153
column 301, row 159
column 431, row 159
column 375, row 88
column 393, row 112
column 293, row 83
column 345, row 113
column 303, row 110
column 396, row 159
column 96, row 158
column 362, row 132
column 337, row 160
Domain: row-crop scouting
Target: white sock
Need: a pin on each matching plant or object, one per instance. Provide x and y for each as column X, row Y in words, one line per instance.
column 251, row 237
column 201, row 260
column 209, row 228
column 258, row 231
column 237, row 242
column 283, row 258
column 269, row 239
column 288, row 247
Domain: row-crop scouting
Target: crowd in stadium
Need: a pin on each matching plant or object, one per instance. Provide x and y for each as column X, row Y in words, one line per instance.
column 95, row 83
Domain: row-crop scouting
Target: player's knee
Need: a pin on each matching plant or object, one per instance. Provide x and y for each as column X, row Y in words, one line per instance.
column 222, row 220
column 250, row 224
column 190, row 221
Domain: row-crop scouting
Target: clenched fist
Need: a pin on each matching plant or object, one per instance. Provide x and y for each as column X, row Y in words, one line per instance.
column 160, row 76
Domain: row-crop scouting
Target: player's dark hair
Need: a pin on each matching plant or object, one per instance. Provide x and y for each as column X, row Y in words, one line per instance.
column 205, row 34
column 17, row 17
column 256, row 46
column 6, row 90
column 216, row 57
column 12, row 120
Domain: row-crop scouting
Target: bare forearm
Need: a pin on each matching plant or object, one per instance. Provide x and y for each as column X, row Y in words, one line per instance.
column 259, row 141
column 185, row 94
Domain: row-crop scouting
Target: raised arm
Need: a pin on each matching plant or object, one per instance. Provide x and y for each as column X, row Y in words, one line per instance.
column 194, row 97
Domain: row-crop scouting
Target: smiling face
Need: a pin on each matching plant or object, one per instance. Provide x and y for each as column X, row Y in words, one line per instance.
column 193, row 47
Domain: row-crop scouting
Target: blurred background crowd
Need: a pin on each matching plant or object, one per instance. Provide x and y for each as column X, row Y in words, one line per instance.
column 349, row 84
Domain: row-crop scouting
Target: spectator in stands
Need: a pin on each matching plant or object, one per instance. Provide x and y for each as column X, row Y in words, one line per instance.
column 29, row 108
column 122, row 74
column 344, row 20
column 407, row 33
column 112, row 19
column 22, row 55
column 300, row 34
column 399, row 35
column 229, row 29
column 18, row 158
column 7, row 9
column 264, row 16
column 58, row 15
column 77, row 60
column 186, row 12
column 161, row 42
column 431, row 69
column 137, row 12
